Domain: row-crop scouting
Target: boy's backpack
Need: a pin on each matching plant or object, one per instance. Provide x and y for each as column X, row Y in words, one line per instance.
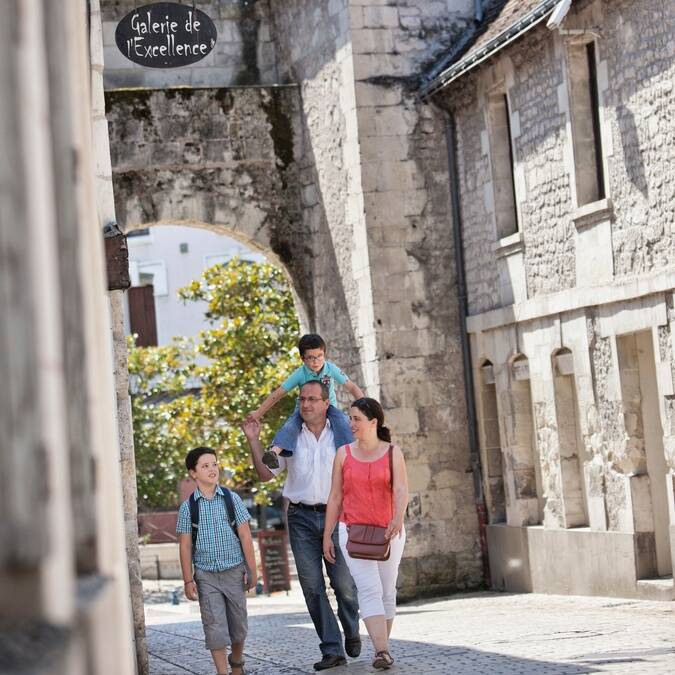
column 194, row 515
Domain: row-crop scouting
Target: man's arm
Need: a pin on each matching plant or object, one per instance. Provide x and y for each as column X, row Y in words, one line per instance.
column 251, row 428
column 246, row 539
column 354, row 389
column 185, row 549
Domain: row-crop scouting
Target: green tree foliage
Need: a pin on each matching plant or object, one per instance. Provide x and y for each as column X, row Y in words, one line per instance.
column 198, row 393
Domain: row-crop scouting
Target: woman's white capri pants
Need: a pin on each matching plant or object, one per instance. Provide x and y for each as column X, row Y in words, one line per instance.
column 375, row 581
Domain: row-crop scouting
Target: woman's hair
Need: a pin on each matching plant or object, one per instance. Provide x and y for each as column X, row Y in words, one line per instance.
column 373, row 410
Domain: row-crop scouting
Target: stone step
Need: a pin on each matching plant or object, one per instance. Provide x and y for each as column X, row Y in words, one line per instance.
column 660, row 588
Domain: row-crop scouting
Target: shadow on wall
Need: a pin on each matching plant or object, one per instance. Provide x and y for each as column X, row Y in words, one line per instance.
column 631, row 144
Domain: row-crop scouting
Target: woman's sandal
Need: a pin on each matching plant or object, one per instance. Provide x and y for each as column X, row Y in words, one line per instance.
column 383, row 660
column 236, row 664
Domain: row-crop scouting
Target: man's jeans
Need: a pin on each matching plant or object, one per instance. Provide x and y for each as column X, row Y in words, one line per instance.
column 287, row 436
column 305, row 531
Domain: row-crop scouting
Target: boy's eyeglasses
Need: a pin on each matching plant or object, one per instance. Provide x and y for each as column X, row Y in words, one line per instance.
column 313, row 358
column 309, row 399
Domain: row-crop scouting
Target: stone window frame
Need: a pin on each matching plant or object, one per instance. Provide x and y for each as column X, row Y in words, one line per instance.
column 587, row 213
column 494, row 83
column 490, row 429
column 563, row 366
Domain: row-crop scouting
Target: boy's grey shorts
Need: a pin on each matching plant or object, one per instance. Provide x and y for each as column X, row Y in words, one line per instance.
column 222, row 602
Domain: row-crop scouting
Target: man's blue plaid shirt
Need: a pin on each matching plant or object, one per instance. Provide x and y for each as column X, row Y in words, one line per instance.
column 218, row 548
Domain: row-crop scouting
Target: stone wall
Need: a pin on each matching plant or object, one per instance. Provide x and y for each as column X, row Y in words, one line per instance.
column 586, row 293
column 405, row 188
column 63, row 568
column 217, row 158
column 639, row 100
column 314, row 50
column 636, row 95
column 244, row 53
column 376, row 179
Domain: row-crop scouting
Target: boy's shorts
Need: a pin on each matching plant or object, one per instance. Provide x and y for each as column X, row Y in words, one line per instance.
column 222, row 602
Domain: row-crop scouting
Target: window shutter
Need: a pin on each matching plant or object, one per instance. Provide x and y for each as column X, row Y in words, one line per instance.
column 142, row 315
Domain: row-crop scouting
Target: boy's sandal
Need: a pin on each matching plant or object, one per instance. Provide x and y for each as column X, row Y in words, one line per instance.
column 270, row 459
column 383, row 660
column 236, row 664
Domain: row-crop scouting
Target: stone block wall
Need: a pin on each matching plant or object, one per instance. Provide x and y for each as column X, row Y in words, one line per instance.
column 314, row 50
column 640, row 71
column 217, row 158
column 405, row 187
column 634, row 79
column 374, row 181
column 244, row 53
column 598, row 280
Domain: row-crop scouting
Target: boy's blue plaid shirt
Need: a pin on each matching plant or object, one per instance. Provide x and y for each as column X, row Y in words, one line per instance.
column 218, row 548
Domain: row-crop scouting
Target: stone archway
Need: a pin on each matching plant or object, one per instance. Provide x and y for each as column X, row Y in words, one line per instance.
column 220, row 158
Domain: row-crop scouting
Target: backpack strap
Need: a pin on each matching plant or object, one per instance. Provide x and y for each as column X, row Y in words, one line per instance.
column 194, row 517
column 229, row 507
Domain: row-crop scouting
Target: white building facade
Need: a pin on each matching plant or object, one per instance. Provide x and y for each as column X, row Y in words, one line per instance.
column 168, row 258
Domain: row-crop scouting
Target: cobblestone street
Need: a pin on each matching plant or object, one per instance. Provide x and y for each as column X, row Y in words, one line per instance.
column 463, row 634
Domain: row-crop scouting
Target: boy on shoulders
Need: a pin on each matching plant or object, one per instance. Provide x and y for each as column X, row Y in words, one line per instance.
column 315, row 368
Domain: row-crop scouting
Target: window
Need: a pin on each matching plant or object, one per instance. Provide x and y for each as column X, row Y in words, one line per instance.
column 493, row 472
column 501, row 159
column 143, row 232
column 585, row 112
column 149, row 273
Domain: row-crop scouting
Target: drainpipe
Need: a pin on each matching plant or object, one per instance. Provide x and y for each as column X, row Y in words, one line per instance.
column 478, row 11
column 469, row 393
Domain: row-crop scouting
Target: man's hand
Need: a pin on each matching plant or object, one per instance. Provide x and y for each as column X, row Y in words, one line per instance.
column 251, row 427
column 190, row 588
column 254, row 416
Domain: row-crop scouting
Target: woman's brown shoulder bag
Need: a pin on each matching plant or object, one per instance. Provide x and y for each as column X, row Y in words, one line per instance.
column 368, row 542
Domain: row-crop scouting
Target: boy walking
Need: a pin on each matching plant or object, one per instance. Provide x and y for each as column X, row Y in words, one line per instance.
column 315, row 368
column 223, row 559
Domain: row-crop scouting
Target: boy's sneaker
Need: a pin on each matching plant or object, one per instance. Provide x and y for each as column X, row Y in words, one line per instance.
column 270, row 459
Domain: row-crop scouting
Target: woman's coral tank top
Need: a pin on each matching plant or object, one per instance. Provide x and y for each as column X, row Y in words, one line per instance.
column 366, row 491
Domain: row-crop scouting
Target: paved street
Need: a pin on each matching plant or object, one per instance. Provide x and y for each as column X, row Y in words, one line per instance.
column 463, row 634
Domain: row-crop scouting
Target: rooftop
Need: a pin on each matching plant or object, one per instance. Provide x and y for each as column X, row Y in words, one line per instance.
column 503, row 22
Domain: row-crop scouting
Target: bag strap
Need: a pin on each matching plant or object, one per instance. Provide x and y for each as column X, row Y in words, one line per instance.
column 194, row 515
column 391, row 466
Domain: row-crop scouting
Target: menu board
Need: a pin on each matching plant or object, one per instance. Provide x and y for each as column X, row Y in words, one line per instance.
column 273, row 547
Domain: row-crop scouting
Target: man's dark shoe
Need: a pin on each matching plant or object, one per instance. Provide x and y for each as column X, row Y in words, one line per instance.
column 353, row 646
column 270, row 460
column 330, row 661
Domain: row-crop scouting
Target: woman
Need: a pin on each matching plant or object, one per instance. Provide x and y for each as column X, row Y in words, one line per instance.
column 363, row 491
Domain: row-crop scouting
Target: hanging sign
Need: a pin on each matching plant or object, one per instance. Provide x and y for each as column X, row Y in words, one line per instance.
column 166, row 35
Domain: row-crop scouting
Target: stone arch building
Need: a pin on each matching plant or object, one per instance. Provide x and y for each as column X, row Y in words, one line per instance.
column 302, row 136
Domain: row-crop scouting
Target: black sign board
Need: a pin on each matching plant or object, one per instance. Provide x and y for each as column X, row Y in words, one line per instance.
column 165, row 35
column 274, row 556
